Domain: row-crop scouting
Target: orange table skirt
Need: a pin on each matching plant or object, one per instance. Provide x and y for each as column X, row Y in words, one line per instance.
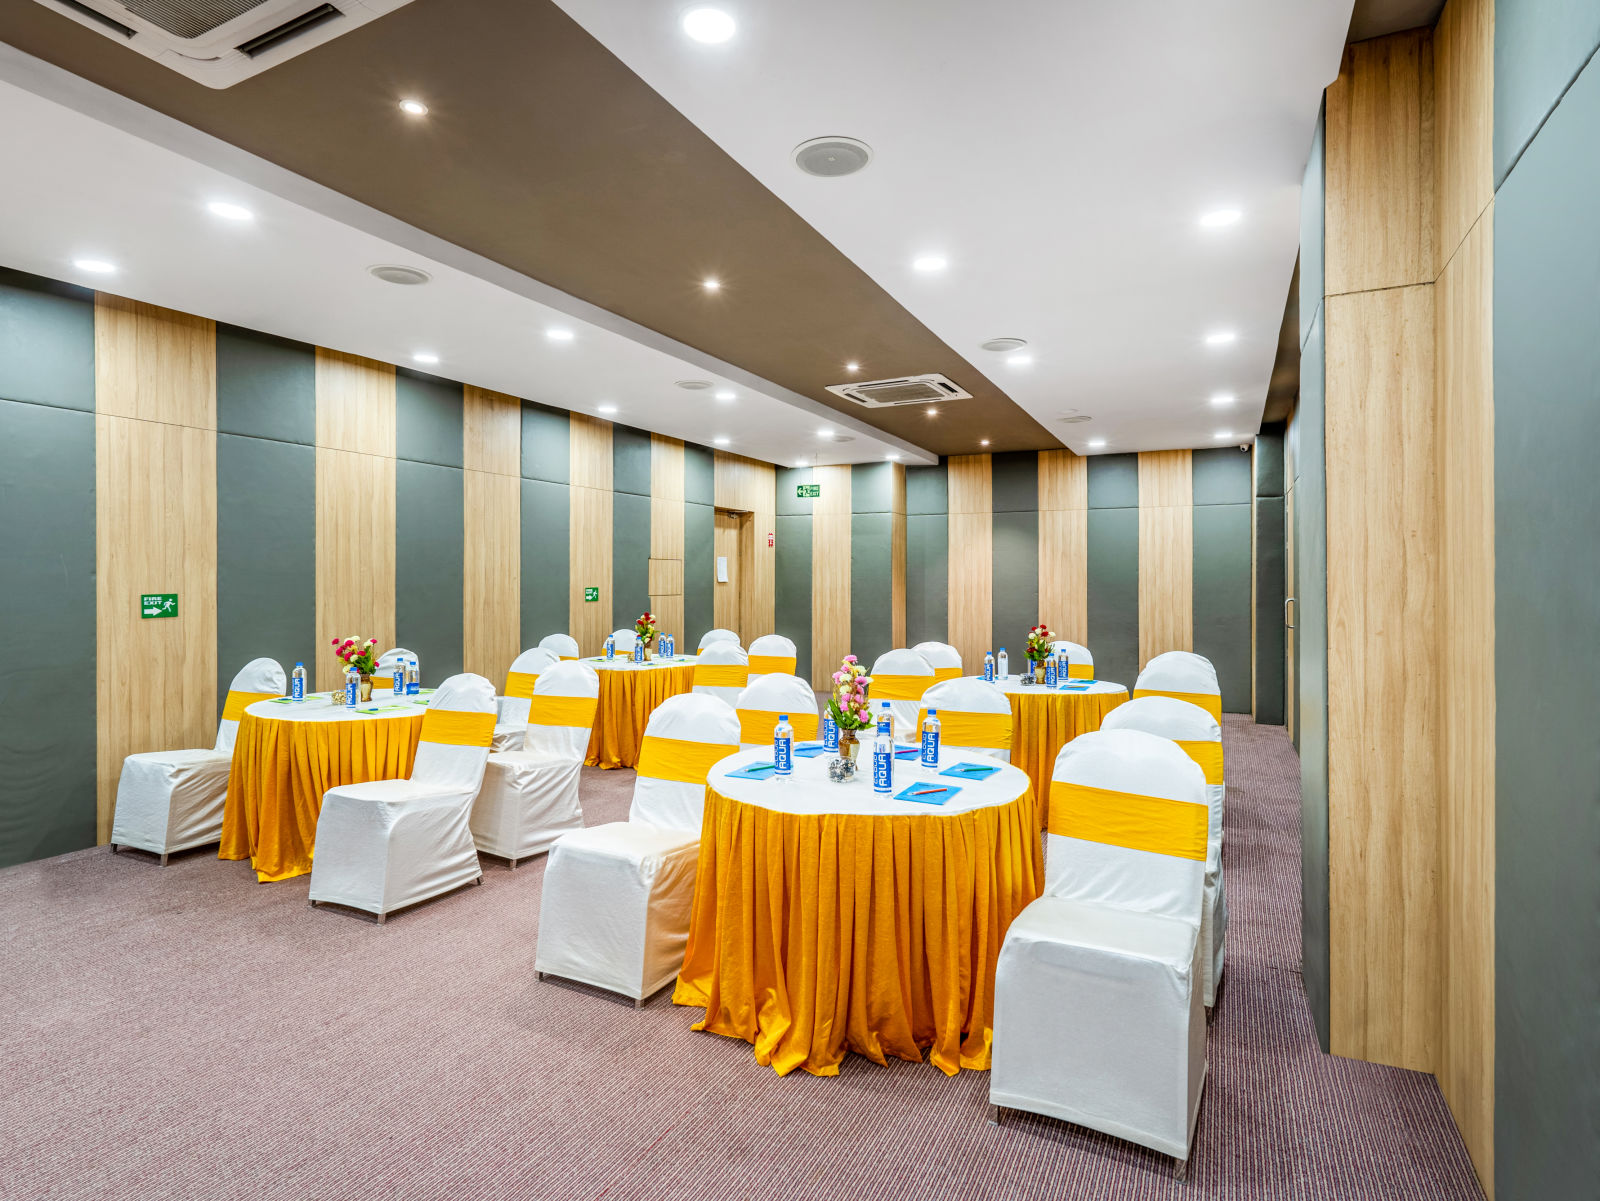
column 281, row 770
column 1044, row 721
column 627, row 699
column 813, row 935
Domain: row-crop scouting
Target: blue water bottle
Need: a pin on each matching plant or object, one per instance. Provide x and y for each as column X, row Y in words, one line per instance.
column 830, row 731
column 783, row 745
column 400, row 684
column 413, row 677
column 352, row 686
column 297, row 682
column 930, row 739
column 988, row 667
column 638, row 650
column 1050, row 671
column 611, row 646
column 883, row 752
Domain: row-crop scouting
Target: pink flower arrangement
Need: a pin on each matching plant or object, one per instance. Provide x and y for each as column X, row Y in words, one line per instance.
column 848, row 705
column 363, row 656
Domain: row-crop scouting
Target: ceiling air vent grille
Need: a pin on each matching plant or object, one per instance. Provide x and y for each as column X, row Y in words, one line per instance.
column 191, row 20
column 906, row 390
column 293, row 27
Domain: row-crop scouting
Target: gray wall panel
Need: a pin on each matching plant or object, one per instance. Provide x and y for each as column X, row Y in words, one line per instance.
column 266, row 556
column 871, row 486
column 787, row 480
column 927, row 490
column 1221, row 476
column 1269, row 460
column 630, row 558
column 1014, row 486
column 1222, row 597
column 792, row 578
column 427, row 413
column 546, row 566
column 1547, row 605
column 1015, row 607
column 927, row 578
column 1270, row 643
column 630, row 461
column 429, row 536
column 699, row 481
column 266, row 386
column 46, row 341
column 1312, row 198
column 699, row 570
column 47, row 642
column 546, row 448
column 1540, row 46
column 871, row 629
column 1113, row 536
column 1113, row 484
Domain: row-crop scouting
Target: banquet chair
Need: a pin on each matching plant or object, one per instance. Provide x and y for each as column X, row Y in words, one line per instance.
column 1200, row 737
column 973, row 716
column 722, row 671
column 770, row 696
column 943, row 658
column 173, row 800
column 717, row 635
column 1188, row 679
column 772, row 653
column 615, row 908
column 1080, row 663
column 564, row 646
column 1097, row 1012
column 1171, row 658
column 624, row 640
column 387, row 661
column 511, row 719
column 529, row 796
column 900, row 677
column 385, row 844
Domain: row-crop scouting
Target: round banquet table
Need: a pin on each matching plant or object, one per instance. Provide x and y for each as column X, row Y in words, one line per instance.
column 829, row 918
column 1045, row 719
column 288, row 754
column 629, row 693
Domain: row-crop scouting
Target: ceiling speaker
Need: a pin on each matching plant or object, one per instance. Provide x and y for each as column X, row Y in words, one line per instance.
column 1001, row 345
column 694, row 385
column 391, row 273
column 830, row 157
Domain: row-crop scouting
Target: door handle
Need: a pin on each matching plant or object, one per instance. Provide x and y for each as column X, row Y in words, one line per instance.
column 1287, row 601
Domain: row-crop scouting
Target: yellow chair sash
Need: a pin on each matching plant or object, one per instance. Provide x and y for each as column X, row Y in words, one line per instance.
column 766, row 665
column 941, row 674
column 680, row 759
column 563, row 711
column 519, row 684
column 900, row 688
column 568, row 658
column 1208, row 755
column 1127, row 819
column 971, row 729
column 756, row 725
column 1211, row 702
column 457, row 728
column 721, row 675
column 233, row 708
column 1080, row 671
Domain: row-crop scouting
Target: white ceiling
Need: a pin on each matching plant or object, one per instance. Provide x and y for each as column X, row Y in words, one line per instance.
column 1059, row 154
column 91, row 175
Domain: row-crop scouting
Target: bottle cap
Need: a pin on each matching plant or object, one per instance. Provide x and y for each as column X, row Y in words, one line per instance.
column 933, row 712
column 299, row 663
column 783, row 717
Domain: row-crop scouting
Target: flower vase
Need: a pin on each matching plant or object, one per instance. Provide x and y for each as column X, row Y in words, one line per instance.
column 849, row 745
column 366, row 689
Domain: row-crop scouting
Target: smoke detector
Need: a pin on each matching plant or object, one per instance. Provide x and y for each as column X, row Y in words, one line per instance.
column 906, row 390
column 832, row 157
column 393, row 273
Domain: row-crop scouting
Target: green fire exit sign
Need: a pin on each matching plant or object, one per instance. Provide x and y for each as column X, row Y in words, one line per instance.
column 591, row 594
column 158, row 604
column 808, row 491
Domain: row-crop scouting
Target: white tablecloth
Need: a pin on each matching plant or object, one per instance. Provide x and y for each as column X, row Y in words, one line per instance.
column 809, row 791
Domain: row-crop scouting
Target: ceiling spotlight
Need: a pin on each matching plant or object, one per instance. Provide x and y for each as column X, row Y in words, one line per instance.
column 557, row 334
column 711, row 285
column 1020, row 360
column 709, row 25
column 724, row 394
column 801, row 463
column 94, row 266
column 825, row 432
column 413, row 108
column 720, row 441
column 1221, row 337
column 892, row 458
column 928, row 264
column 1223, row 435
column 424, row 356
column 1219, row 218
column 933, row 411
column 1097, row 443
column 1222, row 400
column 694, row 385
column 852, row 366
column 983, row 442
column 232, row 212
column 608, row 409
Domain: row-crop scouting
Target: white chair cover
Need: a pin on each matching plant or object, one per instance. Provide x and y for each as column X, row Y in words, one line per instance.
column 1098, row 1017
column 767, row 698
column 565, row 646
column 172, row 800
column 1198, row 733
column 624, row 640
column 1184, row 677
column 772, row 654
column 511, row 721
column 943, row 658
column 389, row 658
column 386, row 844
column 900, row 677
column 1175, row 658
column 722, row 671
column 615, row 907
column 1080, row 663
column 717, row 635
column 970, row 709
column 529, row 797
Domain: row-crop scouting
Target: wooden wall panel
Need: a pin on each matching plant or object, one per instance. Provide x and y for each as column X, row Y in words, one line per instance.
column 491, row 432
column 1464, row 337
column 667, row 534
column 355, row 404
column 1166, row 553
column 971, row 495
column 1383, row 837
column 589, row 548
column 897, row 555
column 355, row 553
column 154, row 364
column 1463, row 57
column 1064, row 544
column 749, row 486
column 830, row 572
column 1379, row 166
column 491, row 573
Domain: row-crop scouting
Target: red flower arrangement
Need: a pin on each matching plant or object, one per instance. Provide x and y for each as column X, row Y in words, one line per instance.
column 645, row 626
column 1039, row 640
column 363, row 656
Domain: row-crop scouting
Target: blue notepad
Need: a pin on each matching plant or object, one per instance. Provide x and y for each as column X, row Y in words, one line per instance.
column 754, row 771
column 927, row 794
column 971, row 771
column 1075, row 685
column 810, row 750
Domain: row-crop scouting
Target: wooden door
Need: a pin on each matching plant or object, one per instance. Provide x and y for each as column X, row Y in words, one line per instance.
column 727, row 605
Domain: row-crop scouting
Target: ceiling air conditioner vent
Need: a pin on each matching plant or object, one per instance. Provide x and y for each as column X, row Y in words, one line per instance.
column 907, row 390
column 220, row 42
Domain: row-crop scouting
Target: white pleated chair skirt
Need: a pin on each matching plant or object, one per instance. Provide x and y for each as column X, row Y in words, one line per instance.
column 527, row 802
column 171, row 800
column 386, row 844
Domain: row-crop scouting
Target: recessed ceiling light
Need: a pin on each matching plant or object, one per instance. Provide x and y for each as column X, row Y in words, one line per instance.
column 94, row 266
column 720, row 441
column 1222, row 400
column 892, row 458
column 801, row 463
column 724, row 394
column 825, row 432
column 557, row 334
column 852, row 366
column 1223, row 435
column 711, row 285
column 983, row 442
column 1221, row 337
column 930, row 263
column 605, row 408
column 413, row 108
column 232, row 212
column 709, row 25
column 1019, row 360
column 1218, row 218
column 1097, row 443
column 933, row 411
column 424, row 356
